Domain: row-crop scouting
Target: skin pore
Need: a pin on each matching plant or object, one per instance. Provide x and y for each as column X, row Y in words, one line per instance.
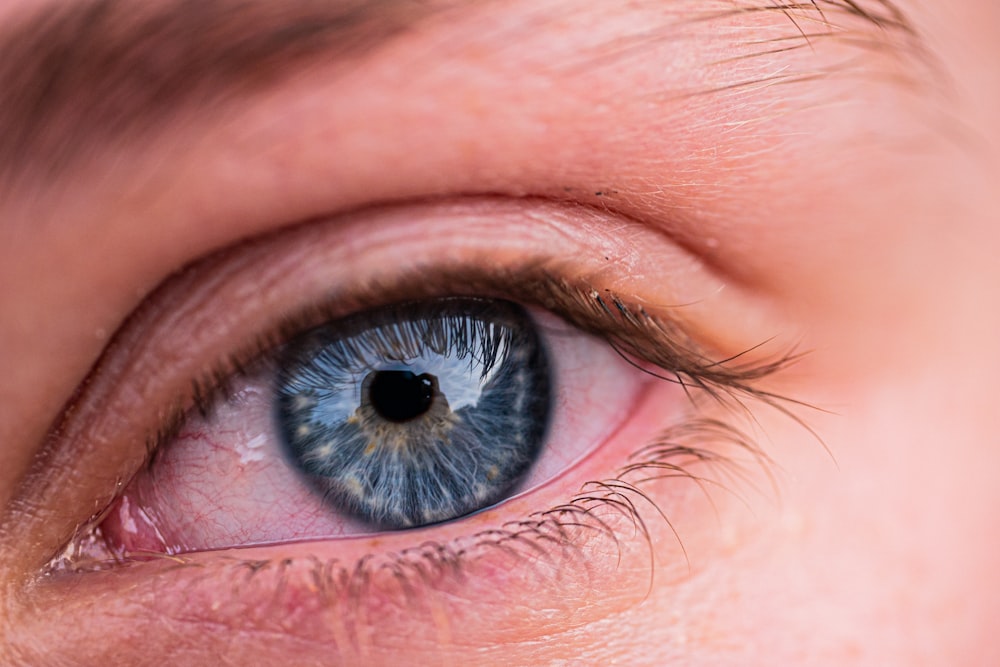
column 817, row 178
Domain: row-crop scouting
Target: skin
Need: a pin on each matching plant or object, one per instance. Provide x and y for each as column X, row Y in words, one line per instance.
column 851, row 215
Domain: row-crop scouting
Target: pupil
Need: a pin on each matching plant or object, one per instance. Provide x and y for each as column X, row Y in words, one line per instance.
column 400, row 396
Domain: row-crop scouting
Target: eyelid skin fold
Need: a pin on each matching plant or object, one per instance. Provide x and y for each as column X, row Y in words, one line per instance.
column 223, row 312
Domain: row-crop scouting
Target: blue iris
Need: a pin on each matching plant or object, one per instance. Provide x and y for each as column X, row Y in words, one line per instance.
column 418, row 413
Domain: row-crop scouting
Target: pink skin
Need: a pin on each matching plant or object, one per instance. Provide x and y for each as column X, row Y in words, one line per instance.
column 836, row 213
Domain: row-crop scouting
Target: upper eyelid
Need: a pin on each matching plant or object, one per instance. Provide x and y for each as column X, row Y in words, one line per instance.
column 81, row 427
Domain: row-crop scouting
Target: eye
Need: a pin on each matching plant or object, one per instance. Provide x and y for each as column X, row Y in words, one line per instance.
column 190, row 479
column 393, row 418
column 308, row 385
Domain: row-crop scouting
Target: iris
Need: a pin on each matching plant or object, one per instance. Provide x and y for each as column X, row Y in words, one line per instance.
column 416, row 413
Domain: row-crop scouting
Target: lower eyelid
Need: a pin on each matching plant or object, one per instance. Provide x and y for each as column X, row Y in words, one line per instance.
column 384, row 594
column 378, row 593
column 276, row 602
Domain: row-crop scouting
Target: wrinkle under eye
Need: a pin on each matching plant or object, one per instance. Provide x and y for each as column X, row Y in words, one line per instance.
column 416, row 414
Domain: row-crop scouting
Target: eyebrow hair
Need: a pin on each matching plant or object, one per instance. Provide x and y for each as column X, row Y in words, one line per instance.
column 89, row 73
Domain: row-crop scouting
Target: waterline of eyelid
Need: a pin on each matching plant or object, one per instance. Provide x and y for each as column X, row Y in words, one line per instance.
column 696, row 442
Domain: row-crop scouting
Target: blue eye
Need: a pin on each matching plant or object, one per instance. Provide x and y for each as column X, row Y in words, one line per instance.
column 418, row 413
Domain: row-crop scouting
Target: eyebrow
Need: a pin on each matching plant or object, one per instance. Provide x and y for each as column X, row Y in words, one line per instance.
column 91, row 73
column 84, row 74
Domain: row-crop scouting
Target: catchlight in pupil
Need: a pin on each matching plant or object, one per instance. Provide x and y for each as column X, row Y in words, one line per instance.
column 400, row 396
column 416, row 414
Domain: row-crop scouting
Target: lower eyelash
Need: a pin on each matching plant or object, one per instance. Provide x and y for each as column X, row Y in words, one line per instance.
column 618, row 511
column 586, row 558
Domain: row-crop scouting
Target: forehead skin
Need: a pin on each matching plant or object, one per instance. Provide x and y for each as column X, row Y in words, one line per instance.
column 851, row 185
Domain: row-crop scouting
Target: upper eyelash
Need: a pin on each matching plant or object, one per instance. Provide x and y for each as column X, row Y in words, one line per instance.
column 633, row 331
column 629, row 328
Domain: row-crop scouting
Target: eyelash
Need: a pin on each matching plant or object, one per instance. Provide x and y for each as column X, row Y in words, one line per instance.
column 542, row 542
column 654, row 345
column 631, row 330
